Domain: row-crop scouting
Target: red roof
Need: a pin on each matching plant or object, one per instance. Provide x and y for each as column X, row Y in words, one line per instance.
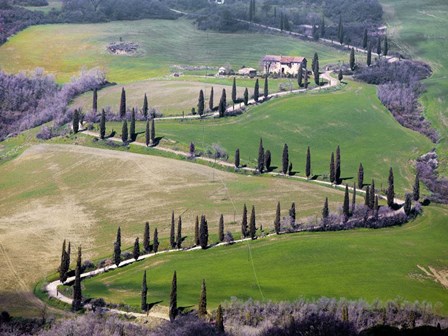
column 283, row 59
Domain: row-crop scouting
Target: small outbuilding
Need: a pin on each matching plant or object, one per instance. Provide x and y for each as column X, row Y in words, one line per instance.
column 251, row 72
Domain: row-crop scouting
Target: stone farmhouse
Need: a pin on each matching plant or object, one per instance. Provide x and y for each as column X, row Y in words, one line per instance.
column 283, row 65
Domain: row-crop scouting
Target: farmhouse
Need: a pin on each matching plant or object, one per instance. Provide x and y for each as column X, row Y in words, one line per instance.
column 283, row 65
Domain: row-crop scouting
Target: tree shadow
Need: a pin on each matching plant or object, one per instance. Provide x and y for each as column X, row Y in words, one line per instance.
column 292, row 173
column 184, row 309
column 157, row 141
column 152, row 304
column 111, row 135
column 272, row 168
column 396, row 206
column 314, row 177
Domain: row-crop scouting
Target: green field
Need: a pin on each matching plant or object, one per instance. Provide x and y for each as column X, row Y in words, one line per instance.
column 367, row 264
column 164, row 43
column 420, row 29
column 353, row 118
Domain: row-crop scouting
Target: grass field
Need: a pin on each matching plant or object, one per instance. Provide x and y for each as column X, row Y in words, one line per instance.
column 353, row 118
column 56, row 192
column 367, row 264
column 164, row 43
column 420, row 29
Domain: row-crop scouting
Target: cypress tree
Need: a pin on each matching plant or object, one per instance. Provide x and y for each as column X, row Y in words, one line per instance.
column 277, row 219
column 145, row 108
column 117, row 248
column 222, row 104
column 203, row 233
column 337, row 175
column 316, row 75
column 63, row 264
column 147, row 133
column 340, row 31
column 179, row 233
column 76, row 121
column 308, row 163
column 305, row 83
column 372, row 195
column 103, row 124
column 315, row 62
column 378, row 46
column 221, row 229
column 386, row 46
column 340, row 75
column 146, row 239
column 252, row 227
column 346, row 205
column 315, row 33
column 123, row 104
column 266, row 87
column 136, row 250
column 267, row 160
column 365, row 39
column 173, row 298
column 124, row 131
column 153, row 132
column 416, row 189
column 256, row 91
column 376, row 206
column 367, row 196
column 361, row 176
column 322, row 27
column 352, row 59
column 202, row 306
column 220, row 320
column 172, row 231
column 332, row 169
column 353, row 199
column 286, row 23
column 292, row 213
column 155, row 245
column 196, row 232
column 210, row 101
column 237, row 158
column 234, row 97
column 408, row 204
column 95, row 101
column 201, row 103
column 244, row 227
column 246, row 97
column 391, row 189
column 369, row 55
column 282, row 24
column 260, row 165
column 290, row 169
column 132, row 126
column 300, row 77
column 285, row 159
column 77, row 292
column 144, row 304
column 325, row 210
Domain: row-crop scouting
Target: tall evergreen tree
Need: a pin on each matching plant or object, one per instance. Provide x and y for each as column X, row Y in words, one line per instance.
column 308, row 163
column 369, row 55
column 376, row 207
column 172, row 232
column 244, row 226
column 282, row 22
column 76, row 121
column 316, row 75
column 103, row 124
column 285, row 159
column 144, row 304
column 325, row 210
column 136, row 250
column 266, row 87
column 117, row 248
column 315, row 62
column 211, row 104
column 132, row 133
column 277, row 219
column 322, row 27
column 147, row 133
column 365, row 39
column 340, row 31
column 67, row 259
column 290, row 169
column 123, row 104
column 234, row 97
column 337, row 175
column 390, row 189
column 416, row 189
column 360, row 176
column 352, row 59
column 286, row 23
column 340, row 75
column 222, row 104
column 332, row 169
column 124, row 131
column 292, row 213
column 378, row 46
column 353, row 199
column 63, row 265
column 145, row 108
column 221, row 229
column 267, row 160
column 95, row 101
column 252, row 225
column 153, row 132
column 386, row 46
column 237, row 158
column 300, row 76
column 196, row 231
column 408, row 204
column 203, row 233
column 246, row 97
column 346, row 205
column 146, row 239
column 220, row 320
column 202, row 306
column 305, row 82
column 367, row 196
column 201, row 103
column 173, row 298
column 256, row 91
column 260, row 165
column 77, row 291
column 179, row 233
column 372, row 195
column 155, row 244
